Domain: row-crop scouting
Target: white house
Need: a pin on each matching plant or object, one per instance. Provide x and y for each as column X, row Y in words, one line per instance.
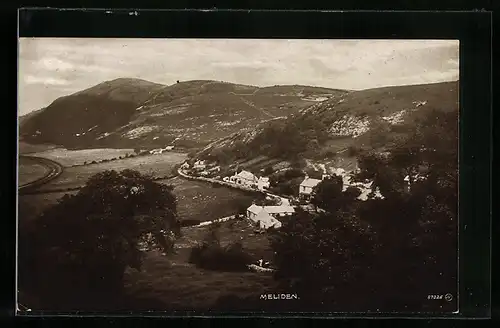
column 278, row 211
column 185, row 165
column 214, row 169
column 266, row 221
column 306, row 187
column 199, row 165
column 244, row 178
column 267, row 215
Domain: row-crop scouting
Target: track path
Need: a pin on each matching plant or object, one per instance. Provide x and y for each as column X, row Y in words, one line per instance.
column 54, row 169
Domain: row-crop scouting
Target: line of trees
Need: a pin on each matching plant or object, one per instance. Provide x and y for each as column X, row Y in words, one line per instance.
column 74, row 255
column 377, row 255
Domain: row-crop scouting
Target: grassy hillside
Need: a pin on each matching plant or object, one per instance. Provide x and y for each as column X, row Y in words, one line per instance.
column 128, row 113
column 335, row 130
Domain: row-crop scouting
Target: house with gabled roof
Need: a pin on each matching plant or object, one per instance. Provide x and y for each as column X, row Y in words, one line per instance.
column 306, row 187
column 268, row 214
column 244, row 178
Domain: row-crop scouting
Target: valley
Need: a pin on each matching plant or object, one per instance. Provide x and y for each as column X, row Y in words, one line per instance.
column 217, row 130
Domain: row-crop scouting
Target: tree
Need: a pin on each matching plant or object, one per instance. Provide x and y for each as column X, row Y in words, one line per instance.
column 329, row 195
column 325, row 258
column 421, row 220
column 313, row 173
column 82, row 245
column 268, row 171
column 385, row 254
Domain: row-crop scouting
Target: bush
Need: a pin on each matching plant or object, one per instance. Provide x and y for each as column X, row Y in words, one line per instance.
column 211, row 255
column 268, row 171
column 353, row 151
column 189, row 222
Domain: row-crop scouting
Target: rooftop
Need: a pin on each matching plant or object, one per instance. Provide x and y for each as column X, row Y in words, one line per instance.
column 271, row 209
column 246, row 175
column 279, row 209
column 310, row 182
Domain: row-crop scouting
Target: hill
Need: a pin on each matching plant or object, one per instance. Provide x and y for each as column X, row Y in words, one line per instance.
column 127, row 113
column 334, row 131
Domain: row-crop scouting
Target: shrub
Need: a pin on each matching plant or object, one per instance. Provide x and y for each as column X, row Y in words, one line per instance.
column 211, row 255
column 189, row 222
column 353, row 151
column 268, row 171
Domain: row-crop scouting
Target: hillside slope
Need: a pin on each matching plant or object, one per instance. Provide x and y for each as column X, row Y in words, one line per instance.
column 125, row 113
column 335, row 130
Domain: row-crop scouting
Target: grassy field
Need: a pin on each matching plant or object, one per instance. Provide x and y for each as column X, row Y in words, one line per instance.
column 26, row 148
column 78, row 157
column 158, row 165
column 172, row 280
column 201, row 201
column 29, row 171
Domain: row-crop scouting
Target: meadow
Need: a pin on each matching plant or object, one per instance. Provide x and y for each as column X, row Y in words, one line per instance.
column 173, row 281
column 29, row 171
column 26, row 148
column 203, row 202
column 157, row 165
column 79, row 157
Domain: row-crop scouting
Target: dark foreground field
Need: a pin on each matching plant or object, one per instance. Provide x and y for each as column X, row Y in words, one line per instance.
column 170, row 281
column 177, row 284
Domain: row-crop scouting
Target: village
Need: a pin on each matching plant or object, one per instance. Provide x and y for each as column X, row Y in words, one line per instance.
column 277, row 207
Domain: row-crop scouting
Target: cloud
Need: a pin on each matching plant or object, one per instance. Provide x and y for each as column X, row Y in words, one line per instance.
column 53, row 64
column 31, row 79
column 68, row 65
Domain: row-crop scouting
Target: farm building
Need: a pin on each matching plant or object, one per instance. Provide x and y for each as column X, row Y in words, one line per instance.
column 266, row 221
column 244, row 178
column 307, row 186
column 199, row 165
column 269, row 214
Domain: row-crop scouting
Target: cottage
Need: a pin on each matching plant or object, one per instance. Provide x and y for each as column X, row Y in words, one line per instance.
column 244, row 178
column 214, row 169
column 281, row 210
column 254, row 212
column 266, row 221
column 307, row 186
column 199, row 165
column 258, row 214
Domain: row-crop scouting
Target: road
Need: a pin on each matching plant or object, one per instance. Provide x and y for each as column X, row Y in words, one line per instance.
column 54, row 170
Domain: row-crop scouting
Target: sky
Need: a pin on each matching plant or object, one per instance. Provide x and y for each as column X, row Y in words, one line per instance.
column 53, row 67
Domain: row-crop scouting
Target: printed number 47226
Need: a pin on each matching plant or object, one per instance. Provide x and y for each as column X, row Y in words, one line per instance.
column 434, row 297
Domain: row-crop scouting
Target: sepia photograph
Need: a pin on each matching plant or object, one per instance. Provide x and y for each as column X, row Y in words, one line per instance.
column 228, row 176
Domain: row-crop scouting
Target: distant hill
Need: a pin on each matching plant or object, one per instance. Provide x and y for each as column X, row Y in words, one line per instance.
column 335, row 130
column 126, row 113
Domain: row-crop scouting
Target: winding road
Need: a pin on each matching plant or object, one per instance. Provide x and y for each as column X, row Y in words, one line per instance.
column 54, row 169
